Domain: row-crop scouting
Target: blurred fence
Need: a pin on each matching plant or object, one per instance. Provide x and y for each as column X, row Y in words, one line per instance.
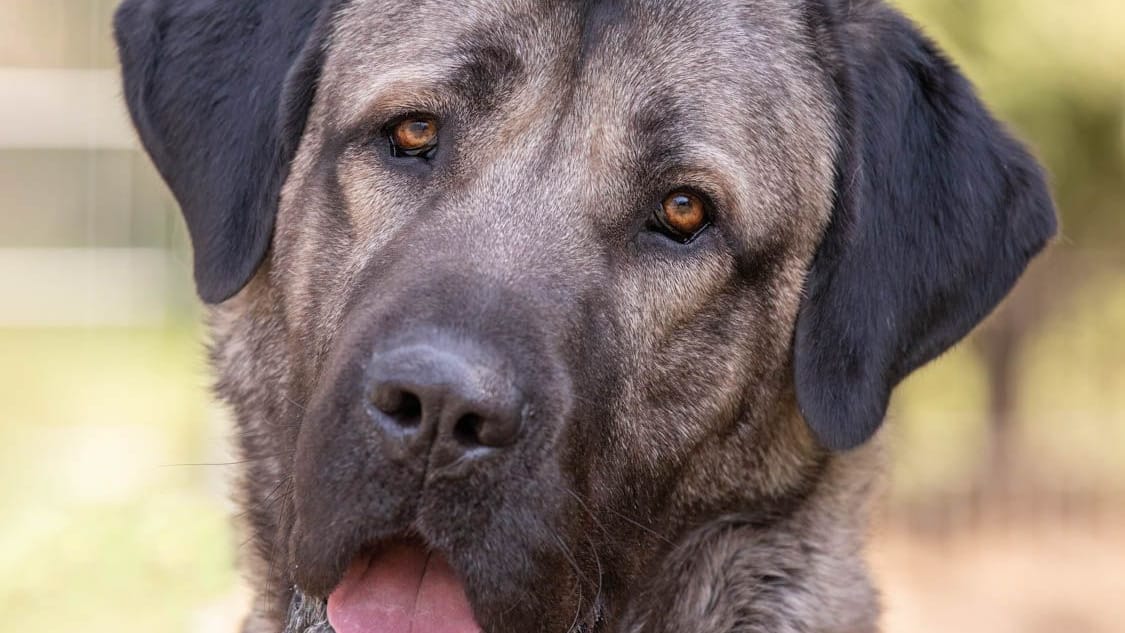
column 88, row 234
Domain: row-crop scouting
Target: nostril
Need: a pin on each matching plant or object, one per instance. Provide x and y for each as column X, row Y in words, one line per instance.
column 473, row 430
column 402, row 405
column 467, row 430
column 409, row 409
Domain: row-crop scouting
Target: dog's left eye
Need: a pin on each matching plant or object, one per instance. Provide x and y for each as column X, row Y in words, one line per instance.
column 682, row 216
column 415, row 136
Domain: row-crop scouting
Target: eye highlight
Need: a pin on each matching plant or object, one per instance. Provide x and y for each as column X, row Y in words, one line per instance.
column 414, row 136
column 682, row 216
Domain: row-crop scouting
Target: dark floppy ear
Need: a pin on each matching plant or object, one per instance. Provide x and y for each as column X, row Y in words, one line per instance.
column 938, row 212
column 219, row 91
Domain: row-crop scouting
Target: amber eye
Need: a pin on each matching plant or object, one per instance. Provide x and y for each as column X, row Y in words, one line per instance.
column 682, row 215
column 414, row 136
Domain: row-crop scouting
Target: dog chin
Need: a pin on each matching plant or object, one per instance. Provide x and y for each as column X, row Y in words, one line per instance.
column 307, row 615
column 405, row 584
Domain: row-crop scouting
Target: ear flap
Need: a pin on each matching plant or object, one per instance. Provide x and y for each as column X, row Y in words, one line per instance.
column 219, row 91
column 938, row 212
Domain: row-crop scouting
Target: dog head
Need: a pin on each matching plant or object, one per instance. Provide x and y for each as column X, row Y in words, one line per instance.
column 530, row 290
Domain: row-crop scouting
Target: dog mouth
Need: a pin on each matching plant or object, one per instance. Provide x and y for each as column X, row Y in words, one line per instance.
column 403, row 587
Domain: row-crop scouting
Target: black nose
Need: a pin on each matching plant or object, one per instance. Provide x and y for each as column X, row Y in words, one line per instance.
column 453, row 403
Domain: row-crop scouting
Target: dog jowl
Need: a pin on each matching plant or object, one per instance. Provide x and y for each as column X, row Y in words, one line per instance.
column 571, row 315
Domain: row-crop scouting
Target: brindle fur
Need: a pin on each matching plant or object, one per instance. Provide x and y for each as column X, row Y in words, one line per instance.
column 672, row 484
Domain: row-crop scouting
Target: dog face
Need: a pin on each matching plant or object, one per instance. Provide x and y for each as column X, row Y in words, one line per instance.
column 528, row 292
column 521, row 280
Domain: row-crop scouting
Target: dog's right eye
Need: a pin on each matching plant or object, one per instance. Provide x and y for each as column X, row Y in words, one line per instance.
column 414, row 136
column 682, row 216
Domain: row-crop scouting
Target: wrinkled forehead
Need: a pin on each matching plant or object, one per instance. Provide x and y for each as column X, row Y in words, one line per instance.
column 639, row 54
column 732, row 83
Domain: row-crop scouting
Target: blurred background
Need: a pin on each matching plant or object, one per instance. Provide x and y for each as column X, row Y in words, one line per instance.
column 1005, row 511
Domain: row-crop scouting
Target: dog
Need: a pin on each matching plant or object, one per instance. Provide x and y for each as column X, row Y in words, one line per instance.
column 571, row 315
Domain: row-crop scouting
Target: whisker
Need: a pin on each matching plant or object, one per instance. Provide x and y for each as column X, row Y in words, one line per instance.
column 578, row 497
column 294, row 403
column 595, row 605
column 217, row 464
column 285, row 514
column 640, row 525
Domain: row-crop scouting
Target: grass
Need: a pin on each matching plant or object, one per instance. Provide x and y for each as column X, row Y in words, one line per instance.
column 102, row 531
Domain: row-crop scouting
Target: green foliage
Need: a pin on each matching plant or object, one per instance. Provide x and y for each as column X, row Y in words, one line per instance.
column 1056, row 72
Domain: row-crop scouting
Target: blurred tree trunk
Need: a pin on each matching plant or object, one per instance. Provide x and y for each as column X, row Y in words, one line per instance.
column 1000, row 343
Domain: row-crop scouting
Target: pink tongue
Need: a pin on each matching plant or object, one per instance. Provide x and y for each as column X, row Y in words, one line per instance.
column 404, row 589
